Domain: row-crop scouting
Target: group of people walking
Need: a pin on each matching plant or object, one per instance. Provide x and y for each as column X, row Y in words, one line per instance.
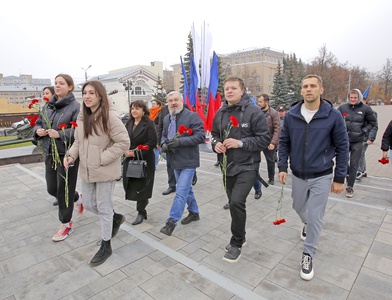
column 321, row 145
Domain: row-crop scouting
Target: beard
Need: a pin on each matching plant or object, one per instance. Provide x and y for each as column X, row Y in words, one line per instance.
column 176, row 110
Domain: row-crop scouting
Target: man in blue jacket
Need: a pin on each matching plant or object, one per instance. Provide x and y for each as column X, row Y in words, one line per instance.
column 183, row 131
column 313, row 134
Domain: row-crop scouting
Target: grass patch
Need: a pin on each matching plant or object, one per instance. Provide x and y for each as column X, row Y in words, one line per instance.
column 16, row 145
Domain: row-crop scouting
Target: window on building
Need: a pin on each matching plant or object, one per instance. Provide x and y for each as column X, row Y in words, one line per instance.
column 250, row 59
column 243, row 60
column 257, row 79
column 236, row 61
column 257, row 57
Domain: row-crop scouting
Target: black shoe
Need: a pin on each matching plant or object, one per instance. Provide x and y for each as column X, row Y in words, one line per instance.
column 216, row 164
column 102, row 255
column 55, row 202
column 232, row 255
column 169, row 191
column 228, row 247
column 271, row 181
column 169, row 227
column 118, row 219
column 194, row 180
column 258, row 195
column 226, row 206
column 307, row 267
column 190, row 218
column 139, row 219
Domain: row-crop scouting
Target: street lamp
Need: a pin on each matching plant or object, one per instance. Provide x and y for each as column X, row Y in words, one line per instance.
column 85, row 71
column 128, row 86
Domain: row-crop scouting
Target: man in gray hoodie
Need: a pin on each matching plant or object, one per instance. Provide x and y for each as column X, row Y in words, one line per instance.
column 360, row 120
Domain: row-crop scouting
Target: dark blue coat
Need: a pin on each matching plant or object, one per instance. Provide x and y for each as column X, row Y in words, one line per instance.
column 311, row 148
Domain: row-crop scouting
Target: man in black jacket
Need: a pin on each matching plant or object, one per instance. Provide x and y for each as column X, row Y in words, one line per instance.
column 239, row 134
column 360, row 120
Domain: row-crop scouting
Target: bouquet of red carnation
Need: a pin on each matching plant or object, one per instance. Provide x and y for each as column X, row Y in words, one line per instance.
column 44, row 115
column 384, row 160
column 67, row 146
column 232, row 123
column 141, row 147
column 279, row 220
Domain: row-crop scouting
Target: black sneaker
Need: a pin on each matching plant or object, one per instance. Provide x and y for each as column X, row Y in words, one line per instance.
column 307, row 267
column 271, row 181
column 169, row 227
column 226, row 206
column 190, row 218
column 303, row 232
column 258, row 195
column 232, row 255
column 228, row 247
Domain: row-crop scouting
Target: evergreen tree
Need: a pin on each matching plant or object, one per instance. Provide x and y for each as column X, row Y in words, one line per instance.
column 280, row 90
column 159, row 93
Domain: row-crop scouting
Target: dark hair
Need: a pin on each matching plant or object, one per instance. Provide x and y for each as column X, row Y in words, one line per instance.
column 265, row 96
column 100, row 117
column 159, row 103
column 143, row 106
column 68, row 79
column 50, row 88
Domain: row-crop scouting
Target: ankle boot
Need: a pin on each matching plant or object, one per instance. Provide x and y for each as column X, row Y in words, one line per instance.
column 118, row 219
column 139, row 218
column 102, row 255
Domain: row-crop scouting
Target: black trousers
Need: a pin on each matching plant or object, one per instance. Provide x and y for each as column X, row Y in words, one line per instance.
column 55, row 184
column 237, row 189
column 270, row 158
column 141, row 206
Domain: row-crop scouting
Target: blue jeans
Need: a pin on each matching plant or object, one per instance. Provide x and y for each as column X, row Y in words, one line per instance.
column 257, row 185
column 157, row 153
column 184, row 194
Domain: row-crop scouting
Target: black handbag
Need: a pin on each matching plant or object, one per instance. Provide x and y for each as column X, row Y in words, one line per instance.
column 137, row 168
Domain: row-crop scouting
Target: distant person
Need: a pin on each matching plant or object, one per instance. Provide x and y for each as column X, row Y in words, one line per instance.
column 141, row 131
column 368, row 140
column 312, row 138
column 282, row 113
column 360, row 120
column 386, row 142
column 156, row 107
column 273, row 121
column 62, row 108
column 183, row 155
column 240, row 146
column 100, row 141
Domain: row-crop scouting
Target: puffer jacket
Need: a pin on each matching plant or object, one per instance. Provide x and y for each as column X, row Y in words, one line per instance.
column 252, row 131
column 311, row 147
column 360, row 120
column 100, row 153
column 386, row 142
column 58, row 111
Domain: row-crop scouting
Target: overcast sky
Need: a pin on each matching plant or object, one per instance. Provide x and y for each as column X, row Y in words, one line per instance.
column 44, row 37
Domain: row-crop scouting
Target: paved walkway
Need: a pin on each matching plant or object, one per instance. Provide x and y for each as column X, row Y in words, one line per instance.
column 354, row 260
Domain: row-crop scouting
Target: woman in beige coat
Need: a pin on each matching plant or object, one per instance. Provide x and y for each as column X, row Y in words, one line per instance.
column 100, row 141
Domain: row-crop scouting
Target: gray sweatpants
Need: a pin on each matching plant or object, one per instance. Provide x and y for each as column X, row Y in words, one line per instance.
column 310, row 199
column 97, row 198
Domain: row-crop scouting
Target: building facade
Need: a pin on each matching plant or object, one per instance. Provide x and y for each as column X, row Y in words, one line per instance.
column 256, row 66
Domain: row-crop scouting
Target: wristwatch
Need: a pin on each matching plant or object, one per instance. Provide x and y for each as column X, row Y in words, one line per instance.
column 240, row 144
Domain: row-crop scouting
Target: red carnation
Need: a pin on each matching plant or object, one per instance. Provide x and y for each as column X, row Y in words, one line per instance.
column 46, row 99
column 182, row 129
column 234, row 121
column 189, row 131
column 62, row 126
column 142, row 147
column 73, row 124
